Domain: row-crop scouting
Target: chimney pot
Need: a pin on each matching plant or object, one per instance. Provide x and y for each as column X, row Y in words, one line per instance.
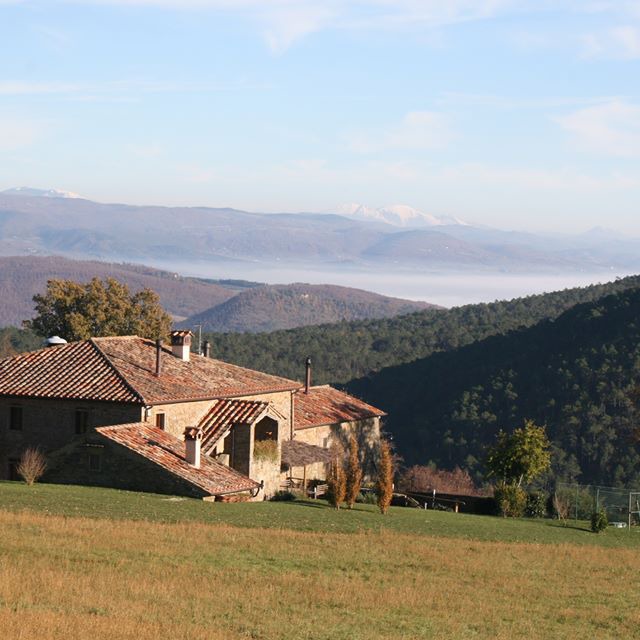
column 181, row 344
column 207, row 349
column 54, row 341
column 192, row 441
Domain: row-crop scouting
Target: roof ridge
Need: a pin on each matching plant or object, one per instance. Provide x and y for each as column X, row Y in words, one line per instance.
column 115, row 369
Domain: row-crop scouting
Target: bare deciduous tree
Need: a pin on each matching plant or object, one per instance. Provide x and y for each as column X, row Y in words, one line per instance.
column 32, row 465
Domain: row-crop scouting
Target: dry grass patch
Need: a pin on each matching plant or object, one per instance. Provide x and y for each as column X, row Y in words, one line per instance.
column 82, row 578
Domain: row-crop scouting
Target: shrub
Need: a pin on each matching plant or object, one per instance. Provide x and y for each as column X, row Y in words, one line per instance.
column 536, row 504
column 599, row 521
column 511, row 500
column 266, row 450
column 336, row 481
column 283, row 496
column 368, row 497
column 427, row 478
column 32, row 465
column 354, row 472
column 384, row 485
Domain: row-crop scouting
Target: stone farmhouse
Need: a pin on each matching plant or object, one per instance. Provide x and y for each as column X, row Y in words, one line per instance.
column 129, row 413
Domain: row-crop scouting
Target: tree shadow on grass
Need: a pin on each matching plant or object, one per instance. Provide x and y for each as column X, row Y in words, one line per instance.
column 328, row 507
column 573, row 527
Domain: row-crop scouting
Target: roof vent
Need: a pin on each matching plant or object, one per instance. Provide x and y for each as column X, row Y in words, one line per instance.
column 181, row 344
column 54, row 341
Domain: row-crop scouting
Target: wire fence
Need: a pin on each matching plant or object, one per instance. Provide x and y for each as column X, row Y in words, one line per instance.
column 579, row 501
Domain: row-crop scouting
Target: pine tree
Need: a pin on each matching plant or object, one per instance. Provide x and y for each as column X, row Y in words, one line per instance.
column 384, row 485
column 354, row 472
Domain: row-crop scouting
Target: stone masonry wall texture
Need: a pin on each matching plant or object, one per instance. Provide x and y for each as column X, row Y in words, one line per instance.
column 50, row 424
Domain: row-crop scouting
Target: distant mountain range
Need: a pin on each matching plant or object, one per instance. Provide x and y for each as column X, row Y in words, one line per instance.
column 50, row 222
column 398, row 215
column 222, row 305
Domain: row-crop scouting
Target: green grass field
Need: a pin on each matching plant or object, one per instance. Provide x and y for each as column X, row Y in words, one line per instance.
column 79, row 562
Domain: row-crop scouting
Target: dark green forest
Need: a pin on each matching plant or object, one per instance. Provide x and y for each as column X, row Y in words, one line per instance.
column 347, row 350
column 14, row 341
column 578, row 374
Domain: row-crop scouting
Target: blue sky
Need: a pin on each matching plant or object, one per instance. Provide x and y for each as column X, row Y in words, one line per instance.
column 510, row 113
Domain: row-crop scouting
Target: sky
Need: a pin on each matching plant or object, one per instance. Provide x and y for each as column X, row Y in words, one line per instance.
column 511, row 113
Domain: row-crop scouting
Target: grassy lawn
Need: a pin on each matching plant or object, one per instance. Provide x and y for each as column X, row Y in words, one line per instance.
column 88, row 563
column 300, row 516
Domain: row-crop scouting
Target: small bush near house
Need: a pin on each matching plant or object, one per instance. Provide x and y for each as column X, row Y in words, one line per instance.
column 368, row 497
column 283, row 496
column 511, row 500
column 536, row 504
column 599, row 521
column 265, row 450
column 32, row 465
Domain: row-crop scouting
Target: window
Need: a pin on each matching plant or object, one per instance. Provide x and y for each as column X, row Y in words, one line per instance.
column 82, row 420
column 13, row 469
column 95, row 462
column 160, row 422
column 15, row 418
column 325, row 443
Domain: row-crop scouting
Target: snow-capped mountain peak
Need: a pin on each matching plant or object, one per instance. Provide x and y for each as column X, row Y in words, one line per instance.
column 398, row 215
column 39, row 193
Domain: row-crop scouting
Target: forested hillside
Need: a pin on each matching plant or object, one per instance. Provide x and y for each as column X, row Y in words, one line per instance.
column 284, row 306
column 579, row 375
column 347, row 350
column 23, row 276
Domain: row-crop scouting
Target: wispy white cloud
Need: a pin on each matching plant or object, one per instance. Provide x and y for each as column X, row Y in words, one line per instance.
column 530, row 179
column 418, row 130
column 284, row 22
column 147, row 151
column 621, row 42
column 497, row 101
column 612, row 129
column 122, row 88
column 16, row 133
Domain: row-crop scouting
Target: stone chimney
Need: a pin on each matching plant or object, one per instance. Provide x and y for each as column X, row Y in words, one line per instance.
column 158, row 369
column 206, row 349
column 307, row 376
column 192, row 439
column 181, row 344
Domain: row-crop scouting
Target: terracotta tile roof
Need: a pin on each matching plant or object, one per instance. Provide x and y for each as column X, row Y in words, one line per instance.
column 326, row 405
column 299, row 454
column 199, row 378
column 121, row 369
column 224, row 414
column 168, row 452
column 78, row 370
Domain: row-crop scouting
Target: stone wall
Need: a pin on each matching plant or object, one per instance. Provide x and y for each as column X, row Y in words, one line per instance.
column 266, row 471
column 368, row 435
column 179, row 415
column 50, row 424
